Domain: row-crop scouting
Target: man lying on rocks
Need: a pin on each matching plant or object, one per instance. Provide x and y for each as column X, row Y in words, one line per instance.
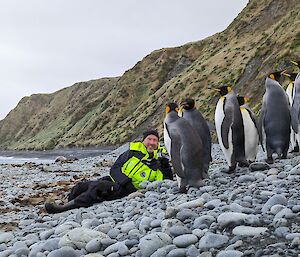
column 144, row 160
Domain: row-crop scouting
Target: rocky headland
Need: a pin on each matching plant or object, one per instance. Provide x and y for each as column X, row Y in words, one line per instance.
column 254, row 212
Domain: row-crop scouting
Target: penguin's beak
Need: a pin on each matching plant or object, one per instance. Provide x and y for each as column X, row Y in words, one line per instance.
column 180, row 111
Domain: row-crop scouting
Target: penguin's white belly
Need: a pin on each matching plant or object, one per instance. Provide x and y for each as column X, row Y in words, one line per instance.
column 167, row 141
column 251, row 136
column 219, row 117
column 293, row 136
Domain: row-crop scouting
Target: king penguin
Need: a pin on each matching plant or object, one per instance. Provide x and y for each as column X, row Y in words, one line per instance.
column 290, row 91
column 275, row 119
column 250, row 129
column 195, row 118
column 185, row 149
column 230, row 128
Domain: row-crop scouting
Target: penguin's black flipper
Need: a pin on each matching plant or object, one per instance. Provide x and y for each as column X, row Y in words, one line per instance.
column 225, row 126
column 175, row 149
column 294, row 119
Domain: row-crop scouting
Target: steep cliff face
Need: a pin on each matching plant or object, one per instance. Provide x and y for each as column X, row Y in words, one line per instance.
column 264, row 37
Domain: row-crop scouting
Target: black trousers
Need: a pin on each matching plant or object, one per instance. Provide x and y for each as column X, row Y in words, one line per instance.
column 87, row 193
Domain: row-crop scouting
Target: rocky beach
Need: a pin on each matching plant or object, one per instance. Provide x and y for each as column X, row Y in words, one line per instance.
column 254, row 212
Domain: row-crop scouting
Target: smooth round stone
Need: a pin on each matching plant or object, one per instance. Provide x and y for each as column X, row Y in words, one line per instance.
column 94, row 245
column 211, row 240
column 247, row 198
column 64, row 228
column 246, row 178
column 275, row 199
column 198, row 232
column 19, row 244
column 296, row 208
column 192, row 204
column 276, row 208
column 281, row 231
column 285, row 213
column 229, row 253
column 22, row 251
column 178, row 230
column 272, row 171
column 288, row 167
column 150, row 243
column 249, row 231
column 255, row 166
column 46, row 234
column 282, row 222
column 113, row 233
column 291, row 236
column 185, row 214
column 155, row 223
column 177, row 253
column 5, row 237
column 79, row 237
column 204, row 220
column 126, row 227
column 168, row 223
column 235, row 207
column 118, row 247
column 185, row 240
column 171, row 212
column 192, row 251
column 213, row 204
column 65, row 251
column 93, row 255
column 145, row 223
column 163, row 251
column 234, row 219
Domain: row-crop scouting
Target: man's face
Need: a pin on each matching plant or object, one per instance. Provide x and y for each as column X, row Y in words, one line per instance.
column 151, row 143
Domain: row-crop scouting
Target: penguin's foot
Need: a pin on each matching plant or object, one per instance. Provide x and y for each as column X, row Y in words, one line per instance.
column 270, row 160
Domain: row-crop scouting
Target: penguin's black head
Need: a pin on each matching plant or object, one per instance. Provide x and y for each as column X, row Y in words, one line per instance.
column 171, row 107
column 224, row 90
column 242, row 100
column 188, row 104
column 276, row 75
column 297, row 63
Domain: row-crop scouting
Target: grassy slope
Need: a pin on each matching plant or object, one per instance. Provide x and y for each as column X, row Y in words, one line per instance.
column 264, row 37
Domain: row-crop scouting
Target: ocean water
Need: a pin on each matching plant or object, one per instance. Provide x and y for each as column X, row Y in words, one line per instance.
column 19, row 157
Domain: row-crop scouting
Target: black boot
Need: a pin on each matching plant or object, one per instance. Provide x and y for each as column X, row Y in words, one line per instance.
column 54, row 208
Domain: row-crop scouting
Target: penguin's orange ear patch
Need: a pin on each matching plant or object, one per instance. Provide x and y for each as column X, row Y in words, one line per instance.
column 168, row 109
column 272, row 76
column 228, row 89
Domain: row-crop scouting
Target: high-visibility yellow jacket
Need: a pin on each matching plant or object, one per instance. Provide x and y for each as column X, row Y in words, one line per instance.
column 136, row 166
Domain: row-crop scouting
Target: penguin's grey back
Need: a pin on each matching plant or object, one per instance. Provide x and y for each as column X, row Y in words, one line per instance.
column 231, row 105
column 276, row 116
column 195, row 118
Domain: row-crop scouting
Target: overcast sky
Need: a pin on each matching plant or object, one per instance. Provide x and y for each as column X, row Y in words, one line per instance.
column 46, row 45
